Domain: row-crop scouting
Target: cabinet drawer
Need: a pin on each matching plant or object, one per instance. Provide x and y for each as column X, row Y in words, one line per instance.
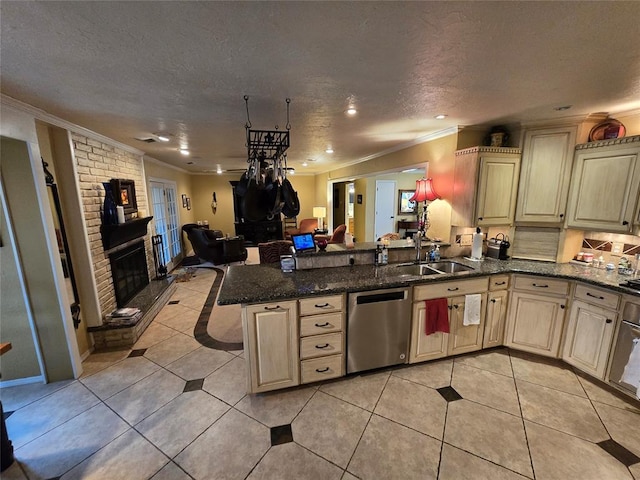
column 311, row 306
column 450, row 289
column 542, row 285
column 499, row 282
column 594, row 295
column 320, row 345
column 319, row 324
column 322, row 368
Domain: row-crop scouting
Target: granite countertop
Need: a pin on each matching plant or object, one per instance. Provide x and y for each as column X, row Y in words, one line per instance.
column 265, row 283
column 341, row 248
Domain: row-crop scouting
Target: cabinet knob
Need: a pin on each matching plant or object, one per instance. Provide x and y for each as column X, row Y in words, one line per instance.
column 624, row 222
column 493, row 300
column 480, row 218
column 562, row 215
column 562, row 307
column 608, row 320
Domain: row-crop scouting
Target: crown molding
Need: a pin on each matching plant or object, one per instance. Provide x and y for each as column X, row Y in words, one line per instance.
column 40, row 114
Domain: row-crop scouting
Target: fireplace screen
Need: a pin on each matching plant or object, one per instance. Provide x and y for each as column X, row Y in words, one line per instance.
column 129, row 272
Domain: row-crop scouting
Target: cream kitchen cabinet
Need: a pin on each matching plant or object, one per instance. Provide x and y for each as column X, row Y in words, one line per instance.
column 605, row 186
column 590, row 329
column 536, row 314
column 485, row 186
column 496, row 316
column 547, row 157
column 322, row 339
column 460, row 338
column 271, row 345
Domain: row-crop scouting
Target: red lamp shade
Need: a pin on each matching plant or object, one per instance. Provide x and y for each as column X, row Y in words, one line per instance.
column 424, row 191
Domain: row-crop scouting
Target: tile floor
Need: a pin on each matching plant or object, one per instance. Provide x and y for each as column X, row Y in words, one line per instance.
column 173, row 409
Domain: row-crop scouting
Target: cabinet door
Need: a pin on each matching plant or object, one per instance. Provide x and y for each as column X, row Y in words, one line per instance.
column 495, row 318
column 547, row 157
column 464, row 338
column 589, row 336
column 535, row 323
column 271, row 345
column 497, row 188
column 425, row 347
column 604, row 191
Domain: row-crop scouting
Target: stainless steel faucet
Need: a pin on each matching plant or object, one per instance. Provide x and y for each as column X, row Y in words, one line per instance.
column 417, row 240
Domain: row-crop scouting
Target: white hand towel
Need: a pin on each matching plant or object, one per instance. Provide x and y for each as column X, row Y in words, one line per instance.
column 631, row 374
column 472, row 309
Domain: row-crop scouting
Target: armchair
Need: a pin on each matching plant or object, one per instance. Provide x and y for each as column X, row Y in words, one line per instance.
column 210, row 246
column 336, row 237
column 307, row 225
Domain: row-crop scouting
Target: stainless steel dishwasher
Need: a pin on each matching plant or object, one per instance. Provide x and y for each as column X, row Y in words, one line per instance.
column 378, row 328
column 628, row 336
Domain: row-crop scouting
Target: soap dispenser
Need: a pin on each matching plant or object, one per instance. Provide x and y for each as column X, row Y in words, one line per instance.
column 436, row 254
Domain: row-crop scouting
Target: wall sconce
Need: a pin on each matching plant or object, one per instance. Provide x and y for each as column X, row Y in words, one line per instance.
column 424, row 193
column 320, row 213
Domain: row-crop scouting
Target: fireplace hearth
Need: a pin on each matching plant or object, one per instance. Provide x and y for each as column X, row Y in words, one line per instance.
column 129, row 272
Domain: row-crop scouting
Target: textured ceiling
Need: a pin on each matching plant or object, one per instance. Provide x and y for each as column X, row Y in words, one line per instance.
column 131, row 69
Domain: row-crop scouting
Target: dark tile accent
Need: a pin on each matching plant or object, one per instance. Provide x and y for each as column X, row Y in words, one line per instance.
column 174, row 302
column 619, row 452
column 193, row 385
column 449, row 394
column 54, row 478
column 6, row 415
column 137, row 353
column 631, row 249
column 601, row 245
column 281, row 434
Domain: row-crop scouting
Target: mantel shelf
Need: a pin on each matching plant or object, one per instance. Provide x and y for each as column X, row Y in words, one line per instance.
column 118, row 234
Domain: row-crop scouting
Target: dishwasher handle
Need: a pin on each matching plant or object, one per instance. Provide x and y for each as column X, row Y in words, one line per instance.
column 381, row 297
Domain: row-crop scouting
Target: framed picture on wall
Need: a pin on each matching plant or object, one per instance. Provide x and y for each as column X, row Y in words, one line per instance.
column 405, row 207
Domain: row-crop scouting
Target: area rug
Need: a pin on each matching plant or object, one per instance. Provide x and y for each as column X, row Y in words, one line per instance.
column 219, row 326
column 184, row 274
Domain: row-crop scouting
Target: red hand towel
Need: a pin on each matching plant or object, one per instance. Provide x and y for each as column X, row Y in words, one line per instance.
column 436, row 316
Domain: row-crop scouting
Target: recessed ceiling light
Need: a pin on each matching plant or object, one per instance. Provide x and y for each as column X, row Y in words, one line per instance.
column 351, row 110
column 329, row 150
column 440, row 117
column 562, row 108
column 304, row 164
column 219, row 170
column 184, row 151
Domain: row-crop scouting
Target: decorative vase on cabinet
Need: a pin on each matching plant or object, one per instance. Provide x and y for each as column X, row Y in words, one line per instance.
column 109, row 211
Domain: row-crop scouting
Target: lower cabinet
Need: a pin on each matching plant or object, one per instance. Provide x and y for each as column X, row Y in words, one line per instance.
column 271, row 345
column 535, row 323
column 461, row 338
column 590, row 330
column 496, row 318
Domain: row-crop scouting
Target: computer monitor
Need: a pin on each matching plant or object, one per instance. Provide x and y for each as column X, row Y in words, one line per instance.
column 303, row 242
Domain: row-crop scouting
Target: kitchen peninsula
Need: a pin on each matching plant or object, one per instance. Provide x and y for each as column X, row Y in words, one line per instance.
column 295, row 324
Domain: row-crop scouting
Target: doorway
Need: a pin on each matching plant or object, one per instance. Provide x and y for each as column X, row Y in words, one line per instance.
column 165, row 218
column 385, row 207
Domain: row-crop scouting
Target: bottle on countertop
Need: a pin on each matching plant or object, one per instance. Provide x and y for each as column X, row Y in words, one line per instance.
column 385, row 255
column 378, row 254
column 436, row 254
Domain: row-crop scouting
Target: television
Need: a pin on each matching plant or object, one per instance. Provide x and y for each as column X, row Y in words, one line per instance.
column 303, row 242
column 124, row 193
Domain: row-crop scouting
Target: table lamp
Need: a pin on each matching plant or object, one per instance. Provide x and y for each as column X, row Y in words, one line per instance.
column 424, row 193
column 320, row 213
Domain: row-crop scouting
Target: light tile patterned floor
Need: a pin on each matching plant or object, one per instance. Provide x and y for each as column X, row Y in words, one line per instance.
column 177, row 410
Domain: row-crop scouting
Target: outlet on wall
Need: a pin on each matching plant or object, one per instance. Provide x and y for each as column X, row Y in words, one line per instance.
column 616, row 248
column 466, row 240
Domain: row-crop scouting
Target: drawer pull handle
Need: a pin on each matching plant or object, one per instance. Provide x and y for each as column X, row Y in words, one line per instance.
column 326, row 345
column 322, row 370
column 595, row 296
column 452, row 289
column 277, row 307
column 324, row 305
column 325, row 324
column 540, row 286
column 608, row 321
column 499, row 283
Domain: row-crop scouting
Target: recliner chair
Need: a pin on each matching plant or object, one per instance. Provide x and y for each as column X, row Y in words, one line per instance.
column 210, row 246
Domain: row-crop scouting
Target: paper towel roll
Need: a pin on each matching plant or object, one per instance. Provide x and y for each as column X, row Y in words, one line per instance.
column 476, row 248
column 120, row 212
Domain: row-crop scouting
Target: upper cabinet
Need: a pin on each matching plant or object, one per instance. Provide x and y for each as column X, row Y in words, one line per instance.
column 485, row 186
column 547, row 156
column 605, row 186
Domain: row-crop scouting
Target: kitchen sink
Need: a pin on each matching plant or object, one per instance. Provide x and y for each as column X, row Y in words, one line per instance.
column 415, row 269
column 448, row 267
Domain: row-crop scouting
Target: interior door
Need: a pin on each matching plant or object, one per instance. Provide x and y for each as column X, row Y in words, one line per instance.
column 385, row 208
column 165, row 218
